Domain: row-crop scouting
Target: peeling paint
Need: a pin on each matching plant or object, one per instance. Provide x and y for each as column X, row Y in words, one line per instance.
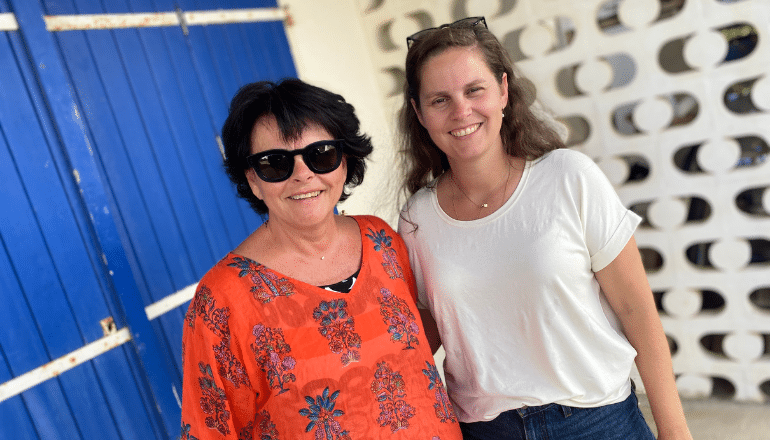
column 108, row 327
column 77, row 176
column 60, row 23
column 289, row 20
column 170, row 302
column 234, row 16
column 56, row 367
column 8, row 22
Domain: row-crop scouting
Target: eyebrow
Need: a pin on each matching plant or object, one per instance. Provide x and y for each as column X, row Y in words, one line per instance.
column 444, row 92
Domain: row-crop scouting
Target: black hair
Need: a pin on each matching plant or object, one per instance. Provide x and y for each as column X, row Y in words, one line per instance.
column 295, row 105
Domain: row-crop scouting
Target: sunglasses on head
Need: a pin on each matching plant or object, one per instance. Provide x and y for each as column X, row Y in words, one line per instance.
column 469, row 22
column 277, row 165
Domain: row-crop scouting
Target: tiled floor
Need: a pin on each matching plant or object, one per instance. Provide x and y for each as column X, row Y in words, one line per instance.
column 720, row 420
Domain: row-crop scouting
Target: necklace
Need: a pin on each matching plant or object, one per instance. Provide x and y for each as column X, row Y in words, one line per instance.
column 481, row 205
column 267, row 220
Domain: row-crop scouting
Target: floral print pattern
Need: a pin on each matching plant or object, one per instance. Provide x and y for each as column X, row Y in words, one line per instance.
column 382, row 243
column 339, row 329
column 443, row 408
column 323, row 416
column 265, row 428
column 213, row 401
column 389, row 388
column 399, row 318
column 271, row 352
column 217, row 320
column 267, row 285
column 185, row 432
column 228, row 366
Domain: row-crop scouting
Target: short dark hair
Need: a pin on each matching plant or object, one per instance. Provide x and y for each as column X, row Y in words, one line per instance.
column 295, row 104
column 523, row 133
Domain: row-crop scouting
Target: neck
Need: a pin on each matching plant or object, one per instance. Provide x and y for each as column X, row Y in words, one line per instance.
column 481, row 177
column 310, row 243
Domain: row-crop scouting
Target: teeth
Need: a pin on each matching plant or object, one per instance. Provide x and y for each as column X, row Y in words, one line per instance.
column 465, row 131
column 305, row 196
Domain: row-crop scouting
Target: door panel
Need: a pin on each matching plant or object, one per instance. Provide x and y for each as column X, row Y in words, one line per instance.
column 148, row 105
column 53, row 294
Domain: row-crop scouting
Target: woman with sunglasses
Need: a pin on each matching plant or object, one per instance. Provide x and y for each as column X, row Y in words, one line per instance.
column 309, row 328
column 524, row 256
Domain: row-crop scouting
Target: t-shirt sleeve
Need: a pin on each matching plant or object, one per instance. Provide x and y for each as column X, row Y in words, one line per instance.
column 607, row 223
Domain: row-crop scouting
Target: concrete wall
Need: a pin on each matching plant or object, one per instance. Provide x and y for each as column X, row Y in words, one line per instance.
column 670, row 97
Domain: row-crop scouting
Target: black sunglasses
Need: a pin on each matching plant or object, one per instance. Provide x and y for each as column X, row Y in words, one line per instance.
column 277, row 165
column 469, row 22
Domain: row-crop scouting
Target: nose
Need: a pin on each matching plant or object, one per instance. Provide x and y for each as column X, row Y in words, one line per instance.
column 461, row 108
column 301, row 171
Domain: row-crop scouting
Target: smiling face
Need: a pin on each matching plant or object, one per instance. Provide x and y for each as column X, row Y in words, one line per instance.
column 461, row 104
column 305, row 198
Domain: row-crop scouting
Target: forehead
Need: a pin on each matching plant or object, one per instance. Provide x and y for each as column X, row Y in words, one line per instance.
column 267, row 136
column 454, row 65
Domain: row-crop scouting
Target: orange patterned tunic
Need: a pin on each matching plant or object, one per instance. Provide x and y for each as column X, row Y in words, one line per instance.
column 270, row 357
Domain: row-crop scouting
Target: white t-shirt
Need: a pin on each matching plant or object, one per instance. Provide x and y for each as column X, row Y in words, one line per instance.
column 520, row 313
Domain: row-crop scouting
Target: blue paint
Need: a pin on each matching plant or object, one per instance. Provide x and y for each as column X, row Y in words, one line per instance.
column 136, row 114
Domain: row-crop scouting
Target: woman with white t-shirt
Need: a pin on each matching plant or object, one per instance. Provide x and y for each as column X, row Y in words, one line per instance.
column 525, row 257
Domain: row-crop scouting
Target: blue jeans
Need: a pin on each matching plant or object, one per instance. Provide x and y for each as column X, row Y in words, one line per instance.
column 619, row 421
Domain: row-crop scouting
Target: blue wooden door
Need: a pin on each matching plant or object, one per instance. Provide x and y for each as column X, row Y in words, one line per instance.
column 113, row 198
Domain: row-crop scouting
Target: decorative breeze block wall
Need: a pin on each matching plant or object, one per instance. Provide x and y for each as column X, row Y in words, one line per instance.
column 672, row 99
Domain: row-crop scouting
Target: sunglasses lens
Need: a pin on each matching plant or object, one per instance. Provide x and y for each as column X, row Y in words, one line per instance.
column 278, row 165
column 274, row 167
column 324, row 158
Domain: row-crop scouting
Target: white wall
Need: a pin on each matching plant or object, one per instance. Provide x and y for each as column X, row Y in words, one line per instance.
column 721, row 349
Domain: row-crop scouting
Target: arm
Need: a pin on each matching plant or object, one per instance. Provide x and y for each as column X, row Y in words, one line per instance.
column 624, row 282
column 431, row 330
column 214, row 406
column 406, row 231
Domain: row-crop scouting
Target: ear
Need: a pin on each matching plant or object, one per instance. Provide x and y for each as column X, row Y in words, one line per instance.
column 417, row 110
column 504, row 89
column 254, row 182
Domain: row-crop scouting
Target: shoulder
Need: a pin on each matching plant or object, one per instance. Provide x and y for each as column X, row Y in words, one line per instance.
column 373, row 222
column 221, row 269
column 229, row 270
column 566, row 165
column 564, row 159
column 213, row 292
column 420, row 201
column 426, row 192
column 378, row 231
column 423, row 195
